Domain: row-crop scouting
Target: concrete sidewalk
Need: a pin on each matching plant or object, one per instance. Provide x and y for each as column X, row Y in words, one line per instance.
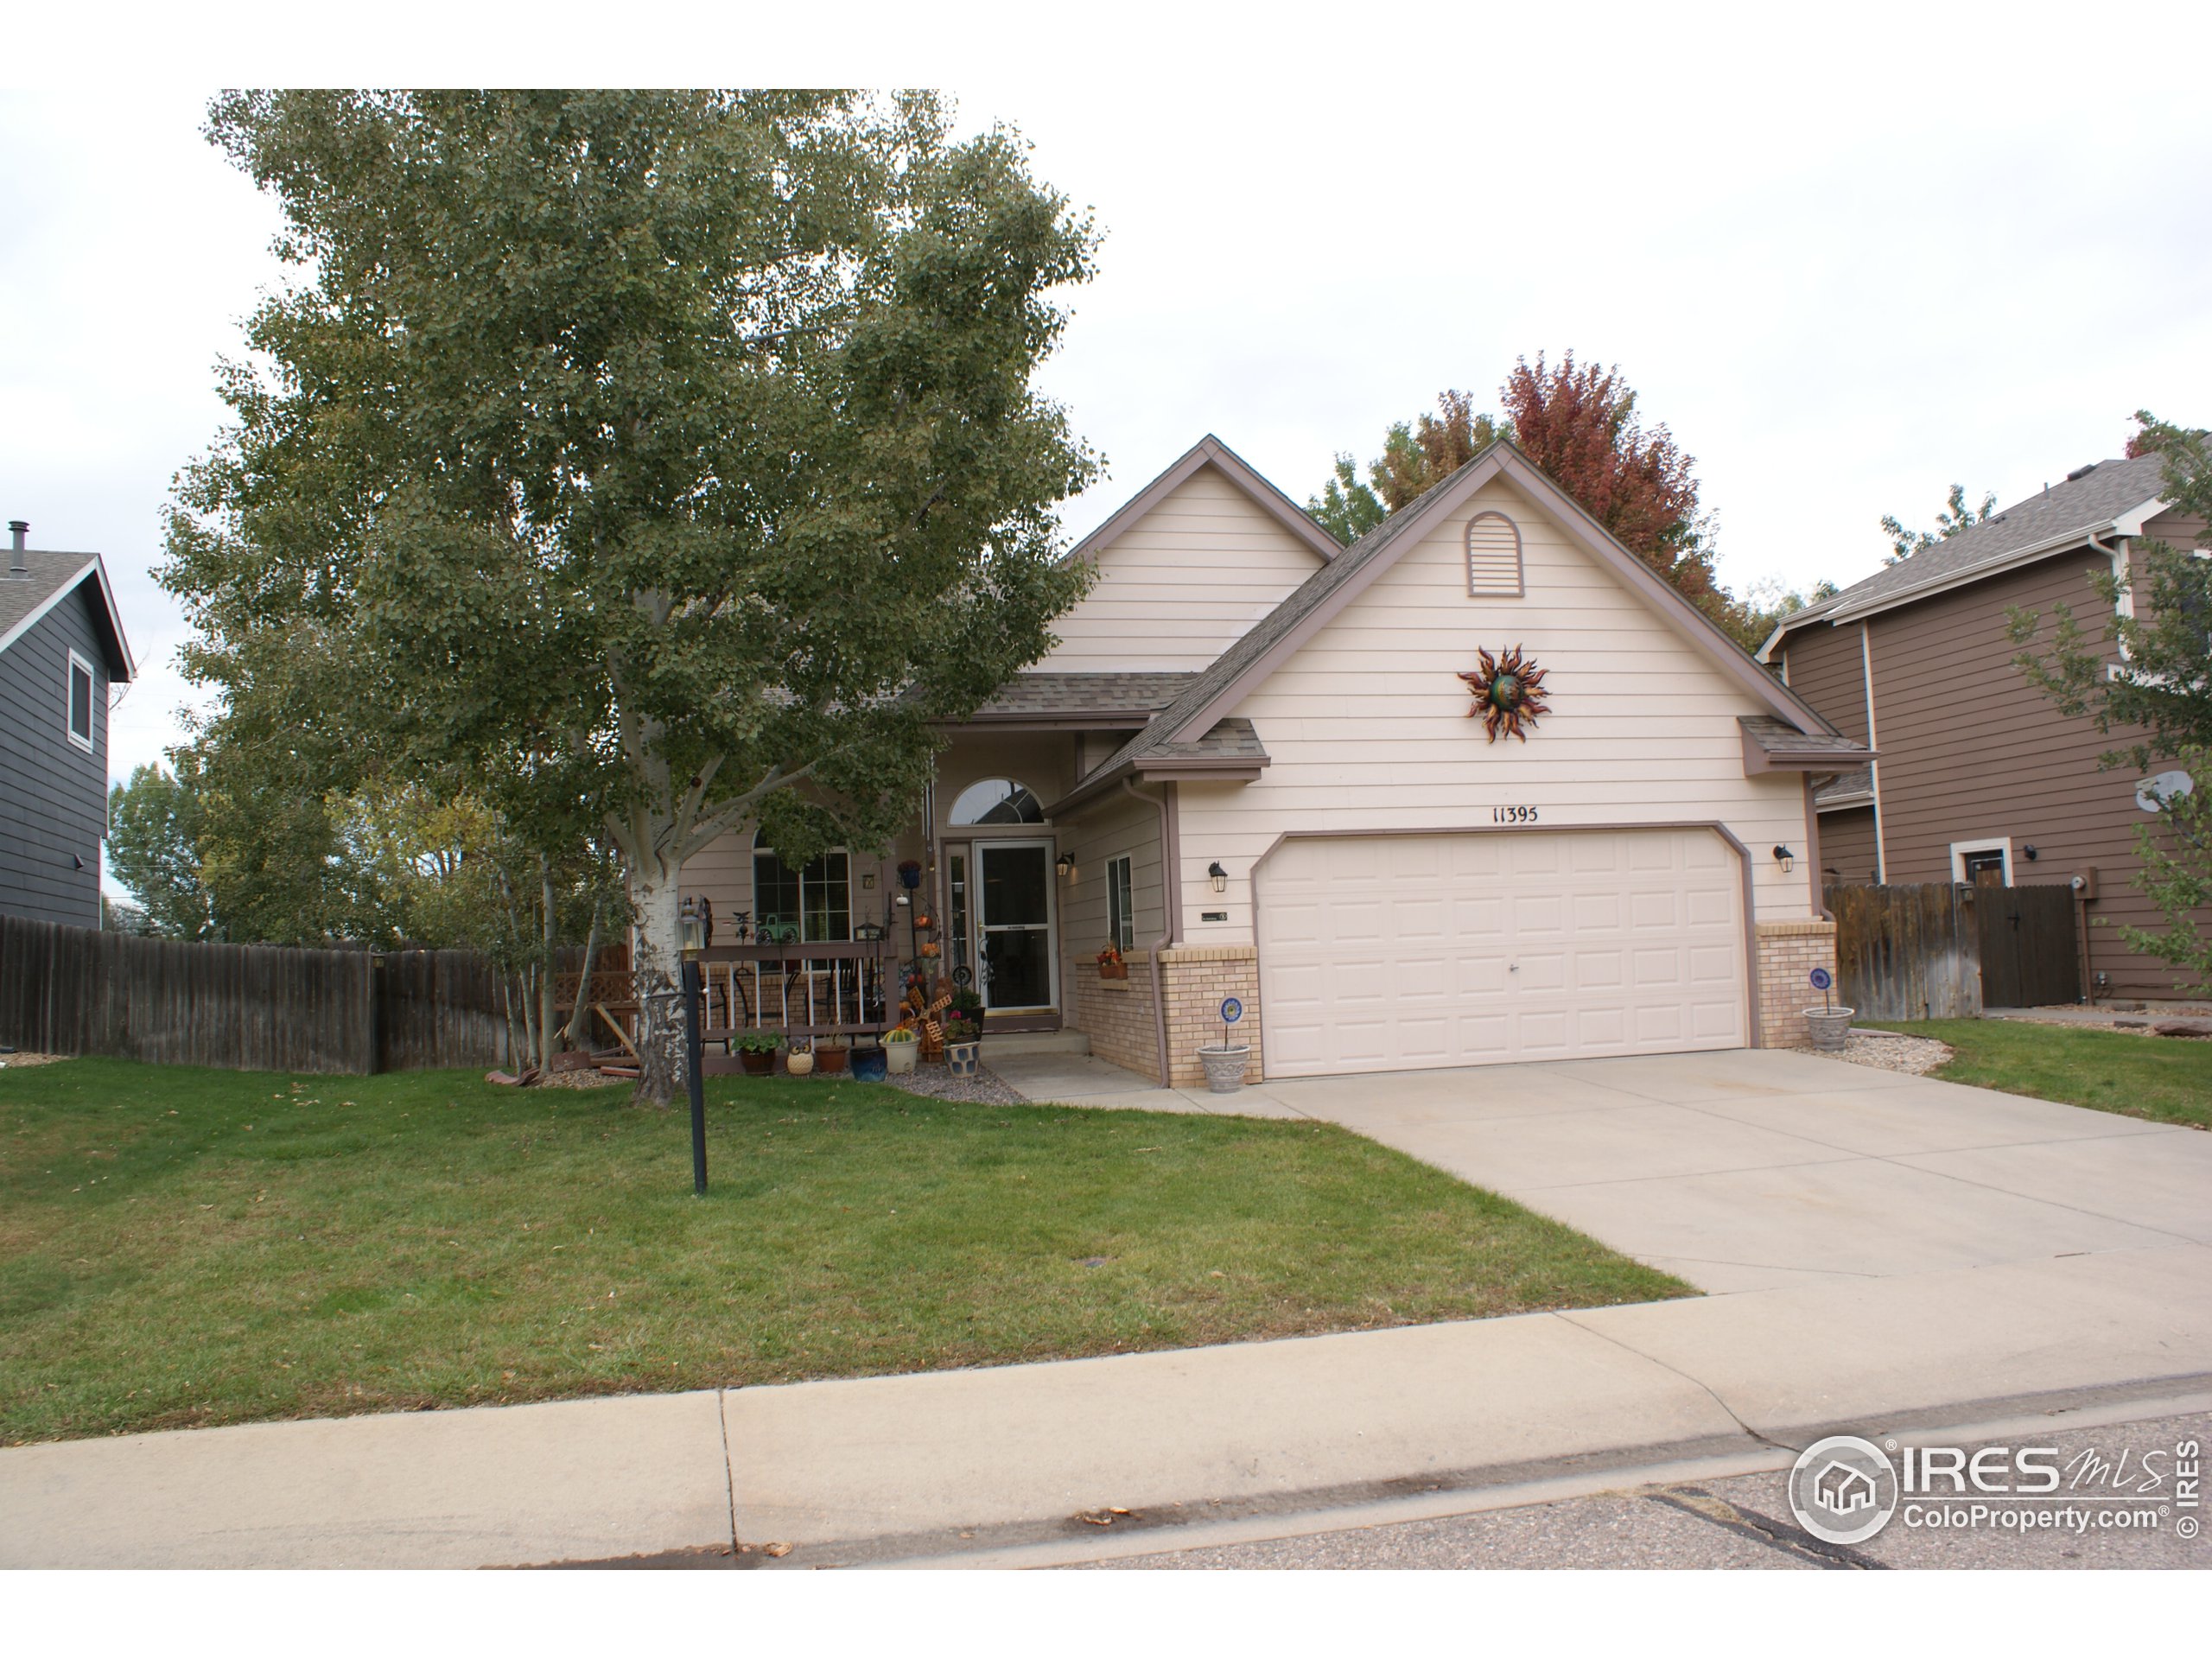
column 930, row 1464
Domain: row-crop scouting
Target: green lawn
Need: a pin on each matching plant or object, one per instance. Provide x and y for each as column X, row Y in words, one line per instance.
column 183, row 1247
column 2165, row 1079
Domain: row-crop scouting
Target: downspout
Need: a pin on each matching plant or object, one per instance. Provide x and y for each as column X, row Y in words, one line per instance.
column 2123, row 604
column 1171, row 885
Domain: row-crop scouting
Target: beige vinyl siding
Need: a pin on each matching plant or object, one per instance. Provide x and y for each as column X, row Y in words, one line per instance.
column 1122, row 827
column 1827, row 669
column 1971, row 750
column 1368, row 729
column 1183, row 583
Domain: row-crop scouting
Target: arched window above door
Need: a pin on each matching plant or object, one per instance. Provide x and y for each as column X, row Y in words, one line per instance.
column 997, row 800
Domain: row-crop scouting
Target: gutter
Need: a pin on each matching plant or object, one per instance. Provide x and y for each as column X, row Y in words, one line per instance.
column 1171, row 885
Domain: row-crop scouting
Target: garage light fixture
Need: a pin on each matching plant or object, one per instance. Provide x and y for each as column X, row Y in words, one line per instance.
column 1787, row 859
column 1218, row 876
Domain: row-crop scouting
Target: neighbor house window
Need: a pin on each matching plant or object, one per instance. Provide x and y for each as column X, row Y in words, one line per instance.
column 1971, row 859
column 80, row 703
column 813, row 900
column 1121, row 910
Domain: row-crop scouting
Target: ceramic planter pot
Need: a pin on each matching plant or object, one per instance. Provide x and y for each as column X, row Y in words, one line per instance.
column 1113, row 971
column 799, row 1063
column 830, row 1062
column 960, row 1058
column 898, row 1057
column 1225, row 1067
column 1829, row 1027
column 868, row 1064
column 757, row 1064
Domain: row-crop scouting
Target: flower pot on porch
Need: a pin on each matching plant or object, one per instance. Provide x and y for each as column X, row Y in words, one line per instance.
column 1113, row 971
column 1225, row 1067
column 1829, row 1027
column 831, row 1061
column 868, row 1064
column 898, row 1057
column 960, row 1058
column 757, row 1063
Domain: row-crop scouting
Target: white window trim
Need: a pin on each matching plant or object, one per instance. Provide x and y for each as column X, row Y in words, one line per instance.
column 91, row 703
column 1122, row 933
column 752, row 887
column 1989, row 845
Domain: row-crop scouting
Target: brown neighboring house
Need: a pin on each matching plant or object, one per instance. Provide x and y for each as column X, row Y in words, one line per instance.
column 1978, row 769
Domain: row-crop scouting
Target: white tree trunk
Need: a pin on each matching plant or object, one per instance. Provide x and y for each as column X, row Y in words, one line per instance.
column 658, row 967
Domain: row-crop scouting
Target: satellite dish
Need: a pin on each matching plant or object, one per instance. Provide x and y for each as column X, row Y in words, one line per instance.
column 2152, row 793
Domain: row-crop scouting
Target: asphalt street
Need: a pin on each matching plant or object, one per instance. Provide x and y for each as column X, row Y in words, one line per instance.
column 1742, row 1523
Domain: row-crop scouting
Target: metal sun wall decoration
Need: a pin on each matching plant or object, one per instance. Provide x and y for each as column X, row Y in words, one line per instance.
column 1509, row 692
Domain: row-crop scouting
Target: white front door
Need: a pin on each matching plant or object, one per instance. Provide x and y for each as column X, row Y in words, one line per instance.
column 1381, row 953
column 1014, row 924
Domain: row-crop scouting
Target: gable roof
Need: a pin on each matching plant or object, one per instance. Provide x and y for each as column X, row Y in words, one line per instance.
column 1209, row 451
column 1215, row 693
column 54, row 576
column 1082, row 701
column 2106, row 496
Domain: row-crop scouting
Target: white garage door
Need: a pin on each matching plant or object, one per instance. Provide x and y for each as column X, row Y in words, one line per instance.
column 1385, row 953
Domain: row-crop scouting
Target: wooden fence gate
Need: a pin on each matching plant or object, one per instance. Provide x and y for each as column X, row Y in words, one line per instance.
column 1937, row 950
column 2031, row 950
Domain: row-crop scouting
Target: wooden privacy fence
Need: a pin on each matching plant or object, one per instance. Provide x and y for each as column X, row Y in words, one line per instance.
column 1938, row 950
column 74, row 990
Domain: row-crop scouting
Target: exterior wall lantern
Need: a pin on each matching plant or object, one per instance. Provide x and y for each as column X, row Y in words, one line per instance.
column 1787, row 859
column 1065, row 865
column 694, row 926
column 1218, row 876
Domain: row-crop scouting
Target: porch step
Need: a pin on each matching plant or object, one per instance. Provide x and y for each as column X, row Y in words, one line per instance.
column 1034, row 1042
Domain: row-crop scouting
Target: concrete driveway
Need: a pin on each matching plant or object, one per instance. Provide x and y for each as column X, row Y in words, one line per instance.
column 1749, row 1169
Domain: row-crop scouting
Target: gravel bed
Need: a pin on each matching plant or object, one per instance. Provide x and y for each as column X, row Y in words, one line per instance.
column 985, row 1088
column 1890, row 1050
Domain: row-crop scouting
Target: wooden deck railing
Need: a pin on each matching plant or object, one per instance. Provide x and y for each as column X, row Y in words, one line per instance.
column 819, row 989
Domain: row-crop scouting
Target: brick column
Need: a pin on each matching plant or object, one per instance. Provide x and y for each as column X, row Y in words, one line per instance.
column 1116, row 1013
column 1788, row 951
column 1196, row 977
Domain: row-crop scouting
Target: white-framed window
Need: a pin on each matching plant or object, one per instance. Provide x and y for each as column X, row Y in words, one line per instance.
column 1970, row 858
column 811, row 902
column 1494, row 557
column 83, row 684
column 1121, row 905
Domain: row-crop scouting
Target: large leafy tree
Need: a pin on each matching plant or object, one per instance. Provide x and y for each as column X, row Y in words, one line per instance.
column 2145, row 679
column 656, row 461
column 153, row 848
column 1579, row 423
column 1952, row 517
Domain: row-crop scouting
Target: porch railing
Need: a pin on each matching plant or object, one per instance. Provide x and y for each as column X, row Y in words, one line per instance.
column 818, row 989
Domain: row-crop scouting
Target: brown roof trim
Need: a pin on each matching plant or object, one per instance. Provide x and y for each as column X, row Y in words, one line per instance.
column 1209, row 451
column 1211, row 698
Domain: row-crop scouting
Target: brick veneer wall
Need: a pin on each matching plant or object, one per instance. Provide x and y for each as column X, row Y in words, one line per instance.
column 1116, row 1013
column 1196, row 978
column 1788, row 951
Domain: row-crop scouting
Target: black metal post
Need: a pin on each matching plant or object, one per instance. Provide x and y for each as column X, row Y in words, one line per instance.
column 694, row 1065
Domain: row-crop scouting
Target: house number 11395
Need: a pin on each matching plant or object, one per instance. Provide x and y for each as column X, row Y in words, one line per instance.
column 1513, row 815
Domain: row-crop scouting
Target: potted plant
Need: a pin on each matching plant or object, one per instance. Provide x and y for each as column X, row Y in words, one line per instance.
column 961, row 1041
column 869, row 1064
column 1224, row 1066
column 901, row 1048
column 829, row 1057
column 799, row 1062
column 1110, row 965
column 756, row 1050
column 1828, row 1024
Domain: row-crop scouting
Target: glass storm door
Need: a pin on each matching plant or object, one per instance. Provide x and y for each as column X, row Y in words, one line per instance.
column 1014, row 923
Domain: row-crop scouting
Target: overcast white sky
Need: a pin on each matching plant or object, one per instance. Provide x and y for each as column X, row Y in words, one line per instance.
column 1849, row 258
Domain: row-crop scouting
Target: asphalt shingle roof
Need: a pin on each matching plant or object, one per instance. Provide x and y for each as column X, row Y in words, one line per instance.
column 49, row 574
column 1047, row 693
column 2077, row 507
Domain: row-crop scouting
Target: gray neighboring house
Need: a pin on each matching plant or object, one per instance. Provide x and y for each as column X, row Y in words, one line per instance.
column 61, row 647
